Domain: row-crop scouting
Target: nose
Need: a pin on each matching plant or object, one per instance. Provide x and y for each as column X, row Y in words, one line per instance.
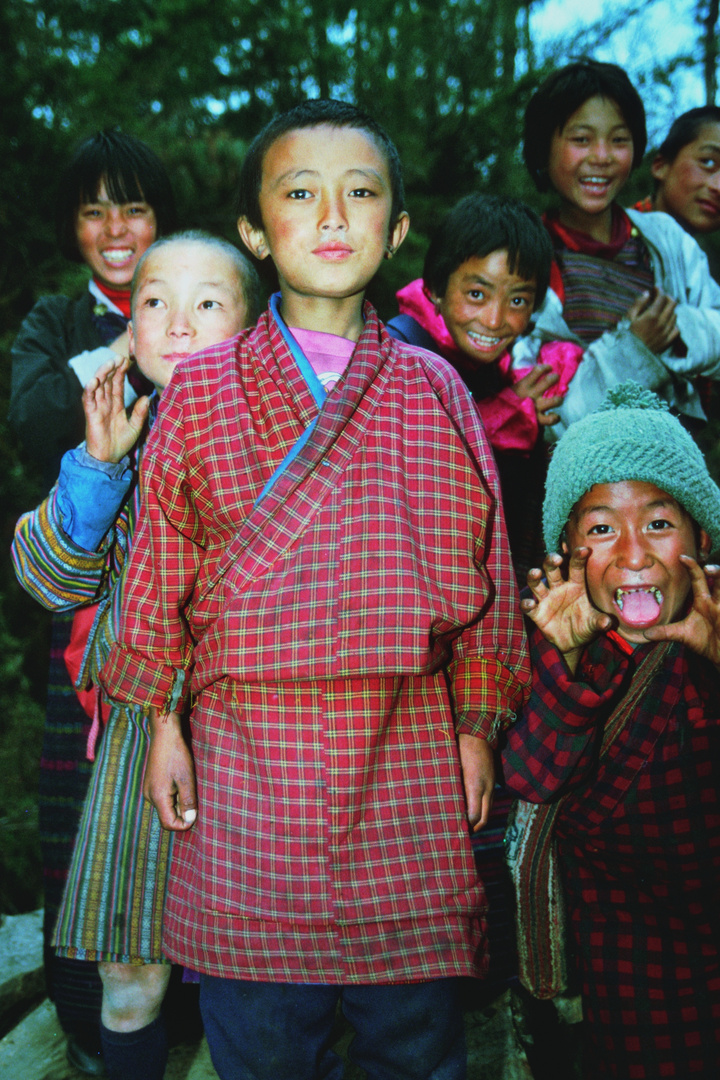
column 632, row 550
column 332, row 212
column 179, row 324
column 115, row 223
column 600, row 149
column 714, row 182
column 493, row 314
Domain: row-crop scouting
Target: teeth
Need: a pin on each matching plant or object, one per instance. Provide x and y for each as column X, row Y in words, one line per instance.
column 117, row 254
column 488, row 342
column 621, row 593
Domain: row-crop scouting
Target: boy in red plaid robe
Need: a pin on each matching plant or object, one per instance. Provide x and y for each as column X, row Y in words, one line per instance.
column 322, row 562
column 621, row 741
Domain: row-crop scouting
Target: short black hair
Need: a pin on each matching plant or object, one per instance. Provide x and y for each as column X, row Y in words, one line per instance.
column 481, row 224
column 686, row 128
column 247, row 274
column 131, row 172
column 309, row 114
column 563, row 93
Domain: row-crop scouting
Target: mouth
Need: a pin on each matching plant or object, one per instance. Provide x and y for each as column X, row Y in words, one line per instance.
column 117, row 256
column 639, row 607
column 485, row 342
column 710, row 208
column 596, row 185
column 333, row 250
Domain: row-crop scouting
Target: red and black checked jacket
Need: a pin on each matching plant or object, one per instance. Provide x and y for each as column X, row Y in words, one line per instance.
column 374, row 576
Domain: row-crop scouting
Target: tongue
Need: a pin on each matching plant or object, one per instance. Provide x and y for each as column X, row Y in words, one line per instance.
column 639, row 607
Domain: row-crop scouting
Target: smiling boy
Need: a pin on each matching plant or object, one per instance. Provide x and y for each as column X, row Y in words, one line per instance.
column 620, row 742
column 328, row 574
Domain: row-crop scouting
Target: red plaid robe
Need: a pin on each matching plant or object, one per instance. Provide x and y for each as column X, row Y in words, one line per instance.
column 338, row 633
column 639, row 849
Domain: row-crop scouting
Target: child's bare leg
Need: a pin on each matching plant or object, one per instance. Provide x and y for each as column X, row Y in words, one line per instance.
column 132, row 994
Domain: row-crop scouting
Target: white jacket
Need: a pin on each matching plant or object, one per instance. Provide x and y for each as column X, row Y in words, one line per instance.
column 681, row 271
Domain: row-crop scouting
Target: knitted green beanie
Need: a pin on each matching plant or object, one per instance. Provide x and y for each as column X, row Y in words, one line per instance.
column 632, row 436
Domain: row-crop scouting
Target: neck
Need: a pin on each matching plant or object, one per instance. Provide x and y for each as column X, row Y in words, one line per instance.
column 341, row 316
column 597, row 226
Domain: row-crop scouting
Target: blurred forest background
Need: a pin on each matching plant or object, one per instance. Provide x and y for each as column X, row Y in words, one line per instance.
column 197, row 80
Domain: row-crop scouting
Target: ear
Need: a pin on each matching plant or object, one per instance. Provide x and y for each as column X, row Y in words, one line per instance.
column 131, row 338
column 660, row 168
column 397, row 234
column 253, row 239
column 704, row 547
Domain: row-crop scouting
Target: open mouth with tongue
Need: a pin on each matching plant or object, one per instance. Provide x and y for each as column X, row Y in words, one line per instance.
column 639, row 607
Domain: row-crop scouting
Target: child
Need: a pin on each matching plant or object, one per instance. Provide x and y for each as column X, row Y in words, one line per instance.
column 621, row 740
column 189, row 291
column 112, row 201
column 486, row 271
column 633, row 289
column 686, row 171
column 328, row 576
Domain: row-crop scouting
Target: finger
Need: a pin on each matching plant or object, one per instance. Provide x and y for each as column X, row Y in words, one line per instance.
column 553, row 569
column 577, row 564
column 547, row 419
column 138, row 416
column 536, row 584
column 547, row 403
column 639, row 306
column 486, row 803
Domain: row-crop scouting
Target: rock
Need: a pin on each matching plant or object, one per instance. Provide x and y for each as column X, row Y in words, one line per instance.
column 21, row 960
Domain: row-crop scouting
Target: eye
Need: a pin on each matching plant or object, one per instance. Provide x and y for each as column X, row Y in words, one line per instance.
column 659, row 523
column 152, row 302
column 362, row 193
column 299, row 193
column 476, row 294
column 579, row 140
column 601, row 529
column 519, row 301
column 208, row 305
column 90, row 212
column 709, row 163
column 136, row 210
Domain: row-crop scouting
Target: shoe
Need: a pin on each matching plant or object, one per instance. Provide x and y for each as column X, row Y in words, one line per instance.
column 85, row 1061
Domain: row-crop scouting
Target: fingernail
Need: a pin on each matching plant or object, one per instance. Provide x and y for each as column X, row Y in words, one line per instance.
column 189, row 816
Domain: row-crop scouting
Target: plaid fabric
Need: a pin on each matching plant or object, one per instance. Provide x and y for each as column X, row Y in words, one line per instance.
column 375, row 571
column 639, row 848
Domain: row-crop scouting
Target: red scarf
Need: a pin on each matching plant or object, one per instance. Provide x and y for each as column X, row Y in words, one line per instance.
column 575, row 240
column 119, row 297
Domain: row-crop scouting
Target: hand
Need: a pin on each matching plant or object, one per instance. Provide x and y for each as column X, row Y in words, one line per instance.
column 560, row 606
column 700, row 629
column 109, row 432
column 535, row 385
column 121, row 344
column 169, row 782
column 653, row 320
column 477, row 762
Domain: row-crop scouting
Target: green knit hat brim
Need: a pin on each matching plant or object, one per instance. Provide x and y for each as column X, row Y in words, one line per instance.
column 632, row 436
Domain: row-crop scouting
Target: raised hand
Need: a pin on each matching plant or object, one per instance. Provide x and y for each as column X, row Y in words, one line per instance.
column 534, row 385
column 109, row 432
column 700, row 629
column 560, row 606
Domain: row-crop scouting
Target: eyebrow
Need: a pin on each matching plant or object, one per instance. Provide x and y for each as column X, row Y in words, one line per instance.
column 709, row 146
column 656, row 504
column 477, row 279
column 198, row 284
column 296, row 174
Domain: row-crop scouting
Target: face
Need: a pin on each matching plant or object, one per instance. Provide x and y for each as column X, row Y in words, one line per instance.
column 590, row 160
column 112, row 237
column 485, row 307
column 189, row 297
column 690, row 185
column 636, row 533
column 325, row 202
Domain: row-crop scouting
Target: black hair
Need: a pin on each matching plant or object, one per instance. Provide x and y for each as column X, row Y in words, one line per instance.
column 686, row 128
column 566, row 91
column 247, row 274
column 481, row 224
column 131, row 172
column 309, row 114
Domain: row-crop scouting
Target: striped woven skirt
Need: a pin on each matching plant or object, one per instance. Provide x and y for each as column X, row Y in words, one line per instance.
column 112, row 908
